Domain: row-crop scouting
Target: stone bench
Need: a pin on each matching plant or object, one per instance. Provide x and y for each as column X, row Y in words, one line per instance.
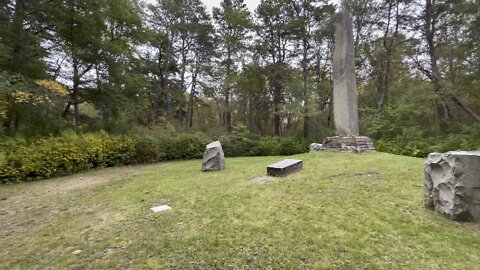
column 284, row 167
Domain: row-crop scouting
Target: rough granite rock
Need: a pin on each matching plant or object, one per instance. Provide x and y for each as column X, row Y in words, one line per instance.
column 345, row 101
column 452, row 184
column 355, row 144
column 316, row 147
column 213, row 157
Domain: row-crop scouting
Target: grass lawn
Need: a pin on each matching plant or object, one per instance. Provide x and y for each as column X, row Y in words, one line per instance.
column 342, row 211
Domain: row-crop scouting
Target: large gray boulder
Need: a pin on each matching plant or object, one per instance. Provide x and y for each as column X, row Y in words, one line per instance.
column 213, row 157
column 452, row 184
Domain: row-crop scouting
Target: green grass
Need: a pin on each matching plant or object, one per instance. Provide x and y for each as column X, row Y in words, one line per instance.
column 342, row 211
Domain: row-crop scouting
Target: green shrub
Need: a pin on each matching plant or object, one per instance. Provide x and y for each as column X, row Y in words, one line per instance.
column 242, row 143
column 149, row 148
column 190, row 146
column 69, row 153
column 416, row 142
column 292, row 146
column 239, row 143
column 267, row 146
column 146, row 149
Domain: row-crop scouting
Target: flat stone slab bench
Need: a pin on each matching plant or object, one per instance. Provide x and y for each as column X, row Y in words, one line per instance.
column 284, row 167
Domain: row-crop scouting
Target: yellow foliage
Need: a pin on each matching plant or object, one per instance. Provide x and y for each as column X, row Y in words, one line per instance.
column 53, row 86
column 25, row 97
column 21, row 97
column 3, row 108
column 71, row 153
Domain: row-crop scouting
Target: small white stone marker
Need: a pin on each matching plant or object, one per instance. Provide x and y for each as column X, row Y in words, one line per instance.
column 160, row 208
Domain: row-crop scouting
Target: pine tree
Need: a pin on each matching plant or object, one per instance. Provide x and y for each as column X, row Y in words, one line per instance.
column 232, row 24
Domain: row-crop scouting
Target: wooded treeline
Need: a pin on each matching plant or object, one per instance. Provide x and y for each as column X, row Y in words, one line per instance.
column 125, row 65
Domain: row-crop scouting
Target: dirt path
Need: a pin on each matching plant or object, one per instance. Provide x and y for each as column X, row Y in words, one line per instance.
column 27, row 208
column 16, row 198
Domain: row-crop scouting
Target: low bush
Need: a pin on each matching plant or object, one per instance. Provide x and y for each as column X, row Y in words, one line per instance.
column 417, row 143
column 21, row 160
column 412, row 130
column 243, row 143
column 71, row 153
column 63, row 155
column 267, row 146
column 151, row 148
column 239, row 143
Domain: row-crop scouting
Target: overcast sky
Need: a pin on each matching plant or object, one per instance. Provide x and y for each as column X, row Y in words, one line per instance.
column 251, row 4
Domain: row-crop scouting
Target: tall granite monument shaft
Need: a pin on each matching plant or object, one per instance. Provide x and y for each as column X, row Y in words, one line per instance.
column 345, row 104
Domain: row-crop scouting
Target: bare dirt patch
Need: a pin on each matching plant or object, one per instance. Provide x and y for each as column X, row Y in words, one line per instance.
column 61, row 185
column 356, row 175
column 262, row 179
column 31, row 205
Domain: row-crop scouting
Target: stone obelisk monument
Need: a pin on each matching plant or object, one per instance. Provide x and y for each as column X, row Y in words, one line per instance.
column 345, row 104
column 345, row 101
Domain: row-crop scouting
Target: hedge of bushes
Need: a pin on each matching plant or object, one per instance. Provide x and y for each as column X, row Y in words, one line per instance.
column 21, row 160
column 416, row 142
column 243, row 143
column 71, row 153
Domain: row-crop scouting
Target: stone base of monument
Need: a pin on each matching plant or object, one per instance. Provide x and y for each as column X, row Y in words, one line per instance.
column 452, row 184
column 354, row 144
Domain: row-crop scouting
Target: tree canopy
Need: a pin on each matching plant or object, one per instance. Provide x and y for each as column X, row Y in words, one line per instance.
column 127, row 65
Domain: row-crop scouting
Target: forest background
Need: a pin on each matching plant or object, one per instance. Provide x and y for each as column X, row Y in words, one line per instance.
column 74, row 72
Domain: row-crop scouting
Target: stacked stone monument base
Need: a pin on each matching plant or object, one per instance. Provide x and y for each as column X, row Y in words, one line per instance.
column 355, row 144
column 452, row 184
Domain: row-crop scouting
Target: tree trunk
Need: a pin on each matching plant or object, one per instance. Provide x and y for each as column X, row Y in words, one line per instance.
column 191, row 99
column 305, row 87
column 18, row 40
column 388, row 45
column 250, row 115
column 245, row 112
column 165, row 76
column 228, row 112
column 430, row 18
column 467, row 109
column 74, row 95
column 277, row 98
column 220, row 117
column 276, row 120
column 156, row 102
column 159, row 88
column 182, row 82
column 384, row 85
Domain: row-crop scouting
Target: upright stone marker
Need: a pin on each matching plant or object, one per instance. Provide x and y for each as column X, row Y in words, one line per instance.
column 213, row 157
column 345, row 104
column 345, row 101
